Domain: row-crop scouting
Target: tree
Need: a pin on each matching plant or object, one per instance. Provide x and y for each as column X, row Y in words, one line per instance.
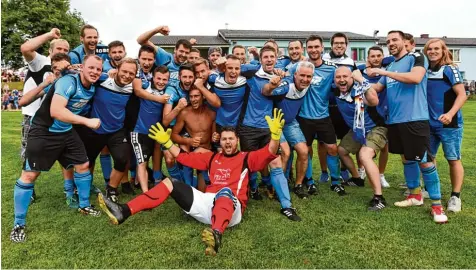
column 24, row 19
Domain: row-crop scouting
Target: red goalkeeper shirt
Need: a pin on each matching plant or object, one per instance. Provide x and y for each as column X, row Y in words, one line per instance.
column 229, row 171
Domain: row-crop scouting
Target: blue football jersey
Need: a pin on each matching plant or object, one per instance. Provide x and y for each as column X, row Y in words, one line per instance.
column 175, row 91
column 164, row 58
column 231, row 97
column 72, row 90
column 77, row 54
column 256, row 106
column 441, row 96
column 406, row 102
column 346, row 106
column 150, row 112
column 292, row 98
column 316, row 102
column 109, row 105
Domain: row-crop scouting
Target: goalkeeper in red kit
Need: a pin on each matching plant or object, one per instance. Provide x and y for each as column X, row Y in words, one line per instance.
column 224, row 200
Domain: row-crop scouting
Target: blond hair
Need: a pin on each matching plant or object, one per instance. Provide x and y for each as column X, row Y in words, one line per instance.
column 58, row 40
column 446, row 58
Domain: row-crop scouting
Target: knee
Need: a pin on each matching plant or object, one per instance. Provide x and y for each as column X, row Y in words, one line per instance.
column 120, row 163
column 302, row 153
column 29, row 177
column 366, row 153
column 454, row 163
column 341, row 151
column 82, row 168
column 276, row 163
column 332, row 149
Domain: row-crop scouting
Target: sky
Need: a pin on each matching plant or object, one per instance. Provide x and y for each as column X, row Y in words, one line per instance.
column 125, row 20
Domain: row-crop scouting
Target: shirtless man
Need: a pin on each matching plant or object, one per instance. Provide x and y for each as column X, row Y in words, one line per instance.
column 199, row 122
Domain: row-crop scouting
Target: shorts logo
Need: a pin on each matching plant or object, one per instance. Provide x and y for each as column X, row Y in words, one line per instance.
column 417, row 158
column 125, row 140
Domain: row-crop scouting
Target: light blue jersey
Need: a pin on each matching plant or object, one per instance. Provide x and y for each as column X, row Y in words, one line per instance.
column 406, row 102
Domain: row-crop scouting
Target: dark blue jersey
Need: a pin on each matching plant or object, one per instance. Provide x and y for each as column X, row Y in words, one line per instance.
column 382, row 106
column 150, row 112
column 109, row 105
column 77, row 54
column 441, row 96
column 231, row 97
column 291, row 99
column 346, row 105
column 256, row 106
column 71, row 88
column 406, row 102
column 316, row 102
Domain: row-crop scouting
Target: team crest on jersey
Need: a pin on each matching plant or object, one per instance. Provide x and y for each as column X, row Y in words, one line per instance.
column 316, row 80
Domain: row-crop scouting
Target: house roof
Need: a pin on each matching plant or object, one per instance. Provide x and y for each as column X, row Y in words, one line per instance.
column 470, row 42
column 205, row 40
column 265, row 34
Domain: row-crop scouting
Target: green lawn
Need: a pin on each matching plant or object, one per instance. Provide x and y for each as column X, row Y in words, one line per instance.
column 335, row 232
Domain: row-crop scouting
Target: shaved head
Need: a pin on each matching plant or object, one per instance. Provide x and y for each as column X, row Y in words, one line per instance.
column 343, row 70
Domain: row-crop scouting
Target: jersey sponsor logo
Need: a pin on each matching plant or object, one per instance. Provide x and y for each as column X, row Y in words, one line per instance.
column 80, row 104
column 316, row 80
column 174, row 75
column 222, row 176
column 102, row 50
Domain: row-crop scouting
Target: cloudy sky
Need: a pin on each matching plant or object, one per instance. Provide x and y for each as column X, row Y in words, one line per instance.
column 124, row 19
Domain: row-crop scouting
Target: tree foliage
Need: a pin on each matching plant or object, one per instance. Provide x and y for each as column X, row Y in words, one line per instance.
column 24, row 19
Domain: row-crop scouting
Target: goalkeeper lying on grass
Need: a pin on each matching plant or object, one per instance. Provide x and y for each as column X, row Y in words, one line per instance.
column 225, row 199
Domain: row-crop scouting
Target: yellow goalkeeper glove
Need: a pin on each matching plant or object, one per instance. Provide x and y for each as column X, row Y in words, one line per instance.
column 276, row 124
column 158, row 134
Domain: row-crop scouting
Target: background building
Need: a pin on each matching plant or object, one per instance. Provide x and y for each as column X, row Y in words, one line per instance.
column 463, row 49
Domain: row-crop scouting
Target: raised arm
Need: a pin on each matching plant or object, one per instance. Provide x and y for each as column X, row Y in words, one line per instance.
column 212, row 98
column 28, row 49
column 415, row 76
column 143, row 39
column 170, row 113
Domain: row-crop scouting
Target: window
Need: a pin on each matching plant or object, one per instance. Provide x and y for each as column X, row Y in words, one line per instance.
column 358, row 54
column 455, row 54
column 463, row 74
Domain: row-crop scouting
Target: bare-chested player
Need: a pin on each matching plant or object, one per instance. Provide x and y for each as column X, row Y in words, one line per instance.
column 198, row 120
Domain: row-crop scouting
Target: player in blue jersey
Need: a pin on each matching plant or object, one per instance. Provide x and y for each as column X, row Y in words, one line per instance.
column 408, row 122
column 314, row 115
column 230, row 87
column 446, row 96
column 375, row 59
column 146, row 59
column 291, row 92
column 338, row 56
column 356, row 100
column 89, row 45
column 253, row 132
column 150, row 112
column 202, row 73
column 162, row 57
column 116, row 52
column 109, row 106
column 282, row 61
column 178, row 100
column 52, row 133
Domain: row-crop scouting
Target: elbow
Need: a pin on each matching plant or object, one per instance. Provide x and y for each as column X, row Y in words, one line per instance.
column 24, row 48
